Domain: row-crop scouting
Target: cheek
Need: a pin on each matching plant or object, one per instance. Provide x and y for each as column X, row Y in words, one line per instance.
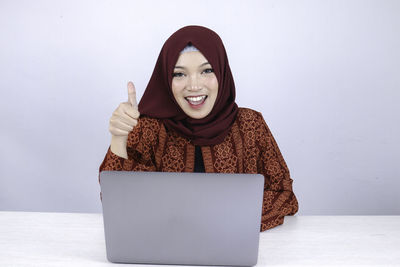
column 212, row 85
column 177, row 88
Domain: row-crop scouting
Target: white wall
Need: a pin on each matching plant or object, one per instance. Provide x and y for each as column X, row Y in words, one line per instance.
column 325, row 75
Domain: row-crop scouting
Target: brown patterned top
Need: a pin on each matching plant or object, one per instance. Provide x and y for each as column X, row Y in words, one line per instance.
column 248, row 148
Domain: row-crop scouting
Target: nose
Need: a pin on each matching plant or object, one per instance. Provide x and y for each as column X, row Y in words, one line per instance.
column 194, row 83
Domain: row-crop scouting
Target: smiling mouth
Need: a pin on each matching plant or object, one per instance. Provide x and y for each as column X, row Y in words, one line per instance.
column 196, row 101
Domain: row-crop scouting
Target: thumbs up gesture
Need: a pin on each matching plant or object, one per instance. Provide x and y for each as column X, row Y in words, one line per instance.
column 122, row 121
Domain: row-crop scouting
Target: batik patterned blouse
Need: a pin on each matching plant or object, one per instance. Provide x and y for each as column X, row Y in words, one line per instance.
column 249, row 147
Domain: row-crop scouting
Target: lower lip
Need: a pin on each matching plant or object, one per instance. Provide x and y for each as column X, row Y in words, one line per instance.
column 197, row 106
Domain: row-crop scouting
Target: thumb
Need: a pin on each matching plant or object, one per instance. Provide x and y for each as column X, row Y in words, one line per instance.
column 132, row 95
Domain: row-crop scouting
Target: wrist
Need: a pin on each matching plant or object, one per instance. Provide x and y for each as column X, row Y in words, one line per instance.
column 118, row 146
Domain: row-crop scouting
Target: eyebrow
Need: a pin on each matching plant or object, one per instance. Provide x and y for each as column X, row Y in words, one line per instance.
column 180, row 67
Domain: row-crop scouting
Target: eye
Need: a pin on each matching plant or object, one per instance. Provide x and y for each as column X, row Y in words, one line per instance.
column 177, row 74
column 209, row 70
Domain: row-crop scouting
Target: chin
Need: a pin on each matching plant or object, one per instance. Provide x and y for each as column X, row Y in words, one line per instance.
column 197, row 115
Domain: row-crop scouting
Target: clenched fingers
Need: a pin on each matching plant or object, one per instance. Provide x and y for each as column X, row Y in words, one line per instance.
column 130, row 111
column 117, row 123
column 117, row 132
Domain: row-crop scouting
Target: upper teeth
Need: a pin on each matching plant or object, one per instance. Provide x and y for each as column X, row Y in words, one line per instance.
column 196, row 98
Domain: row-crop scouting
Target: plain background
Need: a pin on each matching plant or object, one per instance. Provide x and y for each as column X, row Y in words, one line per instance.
column 324, row 74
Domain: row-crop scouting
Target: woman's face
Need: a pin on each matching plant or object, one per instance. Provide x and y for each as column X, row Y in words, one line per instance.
column 194, row 84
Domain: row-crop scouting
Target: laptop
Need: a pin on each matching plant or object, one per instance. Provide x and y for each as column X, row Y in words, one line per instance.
column 182, row 218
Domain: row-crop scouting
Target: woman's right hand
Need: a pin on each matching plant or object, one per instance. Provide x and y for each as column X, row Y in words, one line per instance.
column 122, row 121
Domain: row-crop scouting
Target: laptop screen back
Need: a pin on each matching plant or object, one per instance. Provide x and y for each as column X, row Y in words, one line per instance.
column 182, row 218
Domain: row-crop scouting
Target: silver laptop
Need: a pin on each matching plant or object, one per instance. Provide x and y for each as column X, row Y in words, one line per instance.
column 182, row 218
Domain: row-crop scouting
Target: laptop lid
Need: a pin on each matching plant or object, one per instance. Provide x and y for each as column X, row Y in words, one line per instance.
column 182, row 218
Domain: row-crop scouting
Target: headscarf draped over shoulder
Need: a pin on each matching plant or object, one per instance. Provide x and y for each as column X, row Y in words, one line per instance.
column 158, row 100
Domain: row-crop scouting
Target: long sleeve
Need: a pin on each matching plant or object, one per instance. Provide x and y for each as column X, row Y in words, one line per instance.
column 279, row 199
column 141, row 145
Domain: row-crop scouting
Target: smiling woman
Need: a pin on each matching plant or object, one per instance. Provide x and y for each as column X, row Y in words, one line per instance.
column 195, row 86
column 188, row 121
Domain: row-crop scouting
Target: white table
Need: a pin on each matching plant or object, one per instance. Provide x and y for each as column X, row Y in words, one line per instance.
column 77, row 239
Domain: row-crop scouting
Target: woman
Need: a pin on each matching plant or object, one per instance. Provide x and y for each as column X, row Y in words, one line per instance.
column 189, row 122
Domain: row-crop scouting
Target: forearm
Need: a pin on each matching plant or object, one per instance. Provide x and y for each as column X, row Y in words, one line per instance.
column 131, row 154
column 276, row 205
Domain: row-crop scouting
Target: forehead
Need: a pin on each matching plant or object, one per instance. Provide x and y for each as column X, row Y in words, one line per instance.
column 192, row 58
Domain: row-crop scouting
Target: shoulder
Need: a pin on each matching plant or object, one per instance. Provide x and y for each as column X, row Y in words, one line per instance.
column 247, row 117
column 252, row 124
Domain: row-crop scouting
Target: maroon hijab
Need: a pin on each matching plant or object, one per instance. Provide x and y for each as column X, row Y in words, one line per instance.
column 158, row 100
